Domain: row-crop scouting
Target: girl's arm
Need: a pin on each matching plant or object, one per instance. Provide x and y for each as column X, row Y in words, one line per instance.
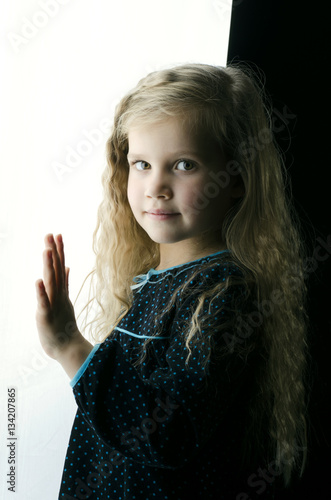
column 55, row 316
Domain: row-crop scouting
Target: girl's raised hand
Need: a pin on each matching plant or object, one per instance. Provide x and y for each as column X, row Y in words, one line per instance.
column 55, row 316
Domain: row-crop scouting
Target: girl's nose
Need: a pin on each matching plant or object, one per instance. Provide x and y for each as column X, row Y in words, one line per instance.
column 158, row 186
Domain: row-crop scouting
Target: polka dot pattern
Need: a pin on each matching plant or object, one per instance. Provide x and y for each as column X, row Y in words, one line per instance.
column 158, row 431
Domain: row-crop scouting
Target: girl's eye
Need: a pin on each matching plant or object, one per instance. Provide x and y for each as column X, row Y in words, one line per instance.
column 142, row 166
column 189, row 165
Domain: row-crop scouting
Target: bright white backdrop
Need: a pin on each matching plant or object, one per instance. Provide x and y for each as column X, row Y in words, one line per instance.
column 64, row 66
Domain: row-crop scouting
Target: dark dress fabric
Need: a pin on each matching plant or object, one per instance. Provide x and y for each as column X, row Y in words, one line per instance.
column 164, row 430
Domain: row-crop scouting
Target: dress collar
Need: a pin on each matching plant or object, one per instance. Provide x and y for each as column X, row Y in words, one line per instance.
column 142, row 279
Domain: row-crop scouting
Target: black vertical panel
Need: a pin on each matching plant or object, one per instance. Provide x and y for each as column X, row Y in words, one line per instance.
column 289, row 41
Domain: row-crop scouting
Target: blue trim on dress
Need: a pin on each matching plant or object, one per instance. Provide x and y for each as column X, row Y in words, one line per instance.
column 139, row 336
column 83, row 367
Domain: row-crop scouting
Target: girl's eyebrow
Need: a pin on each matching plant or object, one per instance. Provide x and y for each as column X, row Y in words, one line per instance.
column 195, row 154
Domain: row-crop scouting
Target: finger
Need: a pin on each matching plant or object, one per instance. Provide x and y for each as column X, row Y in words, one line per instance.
column 60, row 249
column 67, row 279
column 50, row 242
column 42, row 298
column 49, row 275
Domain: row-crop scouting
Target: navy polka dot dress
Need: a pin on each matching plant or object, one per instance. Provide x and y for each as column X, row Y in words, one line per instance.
column 158, row 431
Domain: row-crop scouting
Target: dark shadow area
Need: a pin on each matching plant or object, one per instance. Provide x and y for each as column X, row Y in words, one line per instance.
column 290, row 43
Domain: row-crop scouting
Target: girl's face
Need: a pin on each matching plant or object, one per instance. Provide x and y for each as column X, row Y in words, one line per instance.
column 178, row 187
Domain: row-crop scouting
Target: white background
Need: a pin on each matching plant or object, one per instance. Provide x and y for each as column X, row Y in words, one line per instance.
column 64, row 66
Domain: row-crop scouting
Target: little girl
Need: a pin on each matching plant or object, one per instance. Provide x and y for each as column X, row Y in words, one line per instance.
column 196, row 385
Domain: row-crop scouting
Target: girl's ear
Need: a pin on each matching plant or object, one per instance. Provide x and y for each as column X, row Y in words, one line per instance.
column 238, row 188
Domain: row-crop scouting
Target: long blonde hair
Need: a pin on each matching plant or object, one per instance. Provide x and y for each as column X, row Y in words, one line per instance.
column 260, row 230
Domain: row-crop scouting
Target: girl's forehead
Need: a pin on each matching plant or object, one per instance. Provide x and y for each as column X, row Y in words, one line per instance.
column 171, row 128
column 190, row 117
column 171, row 136
column 187, row 125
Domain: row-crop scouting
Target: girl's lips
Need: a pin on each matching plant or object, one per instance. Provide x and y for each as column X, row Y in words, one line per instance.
column 159, row 215
column 158, row 211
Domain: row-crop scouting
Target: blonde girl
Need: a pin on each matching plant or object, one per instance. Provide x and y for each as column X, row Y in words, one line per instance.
column 195, row 387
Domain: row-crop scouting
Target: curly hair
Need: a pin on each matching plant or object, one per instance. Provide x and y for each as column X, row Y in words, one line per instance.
column 261, row 231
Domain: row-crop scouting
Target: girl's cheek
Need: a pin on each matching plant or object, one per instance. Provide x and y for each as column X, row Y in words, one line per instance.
column 195, row 196
column 194, row 203
column 130, row 195
column 130, row 191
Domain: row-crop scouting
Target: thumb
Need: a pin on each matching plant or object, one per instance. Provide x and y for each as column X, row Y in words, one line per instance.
column 67, row 279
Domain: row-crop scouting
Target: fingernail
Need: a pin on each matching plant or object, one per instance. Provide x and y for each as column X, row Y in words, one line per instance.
column 50, row 238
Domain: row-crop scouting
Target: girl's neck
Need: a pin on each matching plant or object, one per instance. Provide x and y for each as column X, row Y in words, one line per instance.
column 170, row 258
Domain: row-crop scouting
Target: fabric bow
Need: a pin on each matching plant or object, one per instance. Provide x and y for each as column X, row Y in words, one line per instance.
column 141, row 279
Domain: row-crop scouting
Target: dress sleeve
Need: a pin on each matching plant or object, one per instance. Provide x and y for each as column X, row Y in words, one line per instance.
column 163, row 420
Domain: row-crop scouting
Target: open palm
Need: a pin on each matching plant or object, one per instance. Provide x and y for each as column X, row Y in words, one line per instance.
column 55, row 316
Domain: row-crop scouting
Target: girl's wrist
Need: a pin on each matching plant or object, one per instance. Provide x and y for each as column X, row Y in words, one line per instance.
column 73, row 356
